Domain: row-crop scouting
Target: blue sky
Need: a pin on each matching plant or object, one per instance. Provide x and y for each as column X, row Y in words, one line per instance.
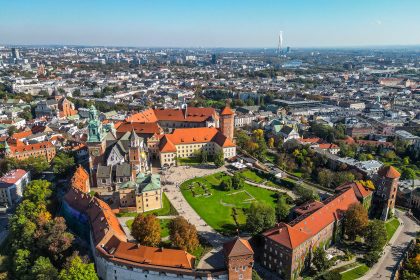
column 211, row 23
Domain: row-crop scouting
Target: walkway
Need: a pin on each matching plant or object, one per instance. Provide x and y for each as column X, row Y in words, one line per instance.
column 392, row 254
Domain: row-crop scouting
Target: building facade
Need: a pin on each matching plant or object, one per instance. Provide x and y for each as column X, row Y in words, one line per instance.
column 12, row 185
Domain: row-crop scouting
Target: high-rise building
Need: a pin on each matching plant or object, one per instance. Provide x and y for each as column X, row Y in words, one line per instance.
column 213, row 59
column 15, row 53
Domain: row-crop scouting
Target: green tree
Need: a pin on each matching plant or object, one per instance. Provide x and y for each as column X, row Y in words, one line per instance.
column 204, row 157
column 183, row 234
column 219, row 159
column 226, row 184
column 326, row 177
column 355, row 221
column 11, row 130
column 375, row 235
column 408, row 173
column 44, row 270
column 343, row 177
column 146, row 230
column 320, row 260
column 330, row 275
column 282, row 209
column 63, row 164
column 237, row 181
column 78, row 270
column 38, row 191
column 260, row 217
column 371, row 257
column 22, row 264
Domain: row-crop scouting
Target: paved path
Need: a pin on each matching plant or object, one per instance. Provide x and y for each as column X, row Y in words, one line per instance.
column 178, row 175
column 127, row 231
column 282, row 190
column 392, row 254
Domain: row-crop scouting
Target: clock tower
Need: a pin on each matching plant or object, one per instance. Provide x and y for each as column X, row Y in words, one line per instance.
column 96, row 141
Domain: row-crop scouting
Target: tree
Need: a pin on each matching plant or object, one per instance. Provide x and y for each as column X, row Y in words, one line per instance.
column 26, row 114
column 390, row 155
column 203, row 156
column 259, row 217
column 36, row 165
column 11, row 130
column 22, row 264
column 330, row 275
column 54, row 238
column 183, row 234
column 282, row 209
column 408, row 173
column 38, row 191
column 226, row 184
column 237, row 181
column 343, row 177
column 375, row 235
column 78, row 270
column 146, row 230
column 270, row 143
column 355, row 221
column 44, row 270
column 219, row 159
column 371, row 258
column 325, row 177
column 63, row 164
column 320, row 260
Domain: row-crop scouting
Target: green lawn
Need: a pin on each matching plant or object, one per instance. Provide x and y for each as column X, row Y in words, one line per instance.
column 164, row 226
column 355, row 273
column 391, row 227
column 251, row 175
column 166, row 210
column 189, row 161
column 217, row 209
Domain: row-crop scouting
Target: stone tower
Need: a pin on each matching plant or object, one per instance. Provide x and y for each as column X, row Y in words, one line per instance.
column 239, row 258
column 134, row 154
column 386, row 183
column 227, row 119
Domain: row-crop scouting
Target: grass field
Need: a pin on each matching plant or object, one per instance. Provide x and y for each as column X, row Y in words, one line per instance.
column 166, row 210
column 355, row 273
column 391, row 227
column 164, row 226
column 217, row 209
column 251, row 175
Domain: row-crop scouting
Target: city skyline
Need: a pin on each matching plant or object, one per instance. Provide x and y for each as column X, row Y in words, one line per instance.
column 237, row 24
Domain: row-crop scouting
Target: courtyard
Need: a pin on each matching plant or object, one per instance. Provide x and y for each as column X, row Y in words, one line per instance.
column 224, row 211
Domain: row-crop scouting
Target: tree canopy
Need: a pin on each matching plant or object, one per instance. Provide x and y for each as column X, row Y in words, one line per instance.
column 146, row 230
column 260, row 217
column 183, row 234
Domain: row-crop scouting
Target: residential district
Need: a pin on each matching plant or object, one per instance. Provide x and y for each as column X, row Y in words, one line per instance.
column 130, row 163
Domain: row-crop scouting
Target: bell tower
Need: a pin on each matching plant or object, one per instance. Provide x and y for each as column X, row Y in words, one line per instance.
column 227, row 119
column 134, row 154
column 95, row 142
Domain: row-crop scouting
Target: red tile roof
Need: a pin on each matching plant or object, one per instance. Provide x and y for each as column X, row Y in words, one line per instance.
column 80, row 179
column 149, row 255
column 191, row 114
column 194, row 135
column 327, row 146
column 389, row 172
column 306, row 226
column 22, row 134
column 12, row 176
column 31, row 147
column 286, row 235
column 237, row 247
column 139, row 128
column 226, row 111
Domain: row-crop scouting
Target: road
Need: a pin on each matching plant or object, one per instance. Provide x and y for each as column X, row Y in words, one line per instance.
column 392, row 254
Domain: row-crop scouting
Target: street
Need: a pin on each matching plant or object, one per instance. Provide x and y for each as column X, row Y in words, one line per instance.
column 384, row 268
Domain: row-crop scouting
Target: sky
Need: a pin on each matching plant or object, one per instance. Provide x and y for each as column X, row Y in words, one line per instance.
column 210, row 23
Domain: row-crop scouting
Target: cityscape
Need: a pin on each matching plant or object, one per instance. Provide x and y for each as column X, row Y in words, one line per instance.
column 187, row 150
